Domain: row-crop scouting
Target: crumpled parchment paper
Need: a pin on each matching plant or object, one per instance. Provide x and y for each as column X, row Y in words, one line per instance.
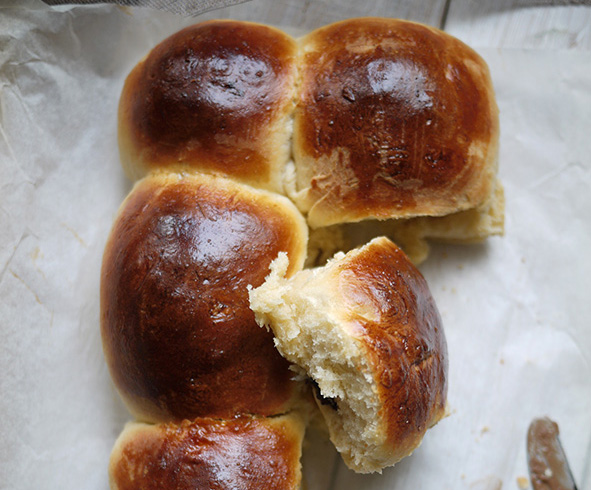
column 516, row 309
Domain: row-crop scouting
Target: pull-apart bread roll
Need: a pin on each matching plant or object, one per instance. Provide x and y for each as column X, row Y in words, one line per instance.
column 394, row 120
column 216, row 97
column 243, row 453
column 178, row 334
column 365, row 328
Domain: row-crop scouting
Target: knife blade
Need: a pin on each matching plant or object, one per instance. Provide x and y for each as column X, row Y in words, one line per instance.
column 548, row 466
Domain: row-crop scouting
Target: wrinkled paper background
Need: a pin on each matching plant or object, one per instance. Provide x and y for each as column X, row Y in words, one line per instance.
column 516, row 309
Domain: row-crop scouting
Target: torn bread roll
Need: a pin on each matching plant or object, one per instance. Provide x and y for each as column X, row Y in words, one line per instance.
column 366, row 330
column 178, row 334
column 243, row 453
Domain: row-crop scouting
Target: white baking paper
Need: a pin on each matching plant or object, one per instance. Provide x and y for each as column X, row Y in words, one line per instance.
column 516, row 309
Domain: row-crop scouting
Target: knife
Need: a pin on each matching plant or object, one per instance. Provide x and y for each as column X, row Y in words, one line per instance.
column 548, row 466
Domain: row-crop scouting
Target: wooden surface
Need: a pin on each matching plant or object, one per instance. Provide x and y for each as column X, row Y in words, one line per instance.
column 533, row 24
column 310, row 14
column 520, row 24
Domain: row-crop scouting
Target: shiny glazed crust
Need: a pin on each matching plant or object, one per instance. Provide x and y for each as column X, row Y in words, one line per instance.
column 393, row 316
column 215, row 97
column 394, row 119
column 178, row 334
column 242, row 453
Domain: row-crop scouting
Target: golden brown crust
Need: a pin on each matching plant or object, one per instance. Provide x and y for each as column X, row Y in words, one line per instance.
column 216, row 96
column 395, row 317
column 394, row 119
column 178, row 334
column 242, row 453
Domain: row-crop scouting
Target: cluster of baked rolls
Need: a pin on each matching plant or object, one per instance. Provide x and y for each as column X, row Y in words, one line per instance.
column 253, row 152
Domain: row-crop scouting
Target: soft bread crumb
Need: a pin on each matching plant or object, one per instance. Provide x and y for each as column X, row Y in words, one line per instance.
column 309, row 333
